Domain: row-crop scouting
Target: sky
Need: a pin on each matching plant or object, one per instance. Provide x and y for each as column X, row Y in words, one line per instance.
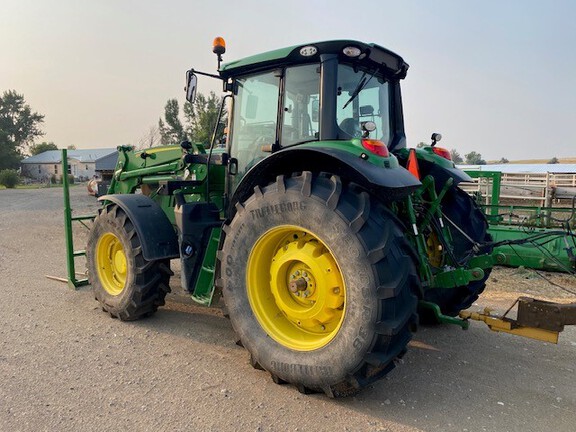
column 495, row 77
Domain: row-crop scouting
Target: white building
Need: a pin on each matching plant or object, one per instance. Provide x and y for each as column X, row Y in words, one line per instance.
column 81, row 164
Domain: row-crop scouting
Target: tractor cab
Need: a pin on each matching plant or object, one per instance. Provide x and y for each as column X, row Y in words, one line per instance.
column 311, row 94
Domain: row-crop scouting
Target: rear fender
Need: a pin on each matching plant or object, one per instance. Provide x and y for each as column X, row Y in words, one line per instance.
column 391, row 184
column 156, row 233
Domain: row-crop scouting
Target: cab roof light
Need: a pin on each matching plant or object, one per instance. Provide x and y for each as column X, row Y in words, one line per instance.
column 308, row 51
column 376, row 147
column 352, row 51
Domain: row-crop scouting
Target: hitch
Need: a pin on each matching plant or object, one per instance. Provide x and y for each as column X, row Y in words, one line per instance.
column 440, row 317
column 536, row 319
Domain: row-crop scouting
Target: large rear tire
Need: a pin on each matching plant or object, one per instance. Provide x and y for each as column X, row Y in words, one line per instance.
column 318, row 283
column 461, row 209
column 127, row 286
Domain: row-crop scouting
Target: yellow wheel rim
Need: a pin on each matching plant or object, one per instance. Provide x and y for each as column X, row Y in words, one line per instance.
column 434, row 250
column 295, row 288
column 112, row 263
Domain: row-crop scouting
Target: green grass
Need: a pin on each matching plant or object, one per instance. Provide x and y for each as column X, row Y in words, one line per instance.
column 37, row 186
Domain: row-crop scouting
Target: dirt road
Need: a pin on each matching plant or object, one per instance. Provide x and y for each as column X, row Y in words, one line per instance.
column 67, row 366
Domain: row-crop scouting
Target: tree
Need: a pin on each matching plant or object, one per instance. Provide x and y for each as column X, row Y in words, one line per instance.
column 456, row 158
column 201, row 118
column 474, row 158
column 199, row 121
column 163, row 131
column 503, row 161
column 172, row 131
column 151, row 138
column 9, row 178
column 18, row 128
column 71, row 147
column 42, row 147
column 554, row 160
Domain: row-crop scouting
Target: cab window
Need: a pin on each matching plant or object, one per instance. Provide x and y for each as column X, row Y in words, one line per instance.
column 301, row 105
column 362, row 96
column 254, row 120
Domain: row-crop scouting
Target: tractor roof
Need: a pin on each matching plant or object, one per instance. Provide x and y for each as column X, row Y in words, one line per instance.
column 372, row 55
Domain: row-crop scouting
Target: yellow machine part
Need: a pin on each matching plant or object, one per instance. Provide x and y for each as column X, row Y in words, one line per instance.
column 506, row 325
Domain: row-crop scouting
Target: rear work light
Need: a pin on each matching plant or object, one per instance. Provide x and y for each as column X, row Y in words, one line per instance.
column 442, row 152
column 376, row 147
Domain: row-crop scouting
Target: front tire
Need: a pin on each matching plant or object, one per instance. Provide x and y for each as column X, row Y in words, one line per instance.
column 127, row 286
column 317, row 284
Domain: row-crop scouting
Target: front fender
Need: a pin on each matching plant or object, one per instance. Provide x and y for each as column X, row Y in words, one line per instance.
column 443, row 173
column 156, row 233
column 392, row 183
column 432, row 164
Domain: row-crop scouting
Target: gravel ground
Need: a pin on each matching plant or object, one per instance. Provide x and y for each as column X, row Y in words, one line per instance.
column 66, row 366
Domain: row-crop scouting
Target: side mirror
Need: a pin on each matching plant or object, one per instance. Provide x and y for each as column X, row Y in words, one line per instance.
column 315, row 110
column 191, row 82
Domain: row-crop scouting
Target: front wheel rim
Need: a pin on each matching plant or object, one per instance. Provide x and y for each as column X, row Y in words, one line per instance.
column 112, row 263
column 296, row 288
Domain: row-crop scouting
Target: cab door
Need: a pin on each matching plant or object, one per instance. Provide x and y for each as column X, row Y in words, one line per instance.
column 254, row 123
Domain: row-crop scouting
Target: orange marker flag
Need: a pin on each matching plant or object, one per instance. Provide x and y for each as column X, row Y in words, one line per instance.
column 413, row 164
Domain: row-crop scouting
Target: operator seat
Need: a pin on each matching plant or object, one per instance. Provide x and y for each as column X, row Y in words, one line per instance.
column 351, row 128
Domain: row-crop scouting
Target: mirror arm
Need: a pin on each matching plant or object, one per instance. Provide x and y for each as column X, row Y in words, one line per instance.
column 205, row 74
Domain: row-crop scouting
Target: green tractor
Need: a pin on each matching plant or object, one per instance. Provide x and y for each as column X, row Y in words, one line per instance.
column 325, row 236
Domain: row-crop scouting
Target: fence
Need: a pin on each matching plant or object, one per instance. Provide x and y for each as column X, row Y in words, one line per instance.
column 541, row 188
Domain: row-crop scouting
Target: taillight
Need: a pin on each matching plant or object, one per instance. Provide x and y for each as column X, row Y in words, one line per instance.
column 375, row 146
column 442, row 152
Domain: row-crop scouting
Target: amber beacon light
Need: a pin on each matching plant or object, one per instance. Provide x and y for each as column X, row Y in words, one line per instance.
column 219, row 46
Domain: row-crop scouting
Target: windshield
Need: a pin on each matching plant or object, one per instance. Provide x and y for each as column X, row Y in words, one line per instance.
column 362, row 96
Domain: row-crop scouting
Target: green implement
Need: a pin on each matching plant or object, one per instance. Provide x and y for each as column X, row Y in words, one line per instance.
column 535, row 237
